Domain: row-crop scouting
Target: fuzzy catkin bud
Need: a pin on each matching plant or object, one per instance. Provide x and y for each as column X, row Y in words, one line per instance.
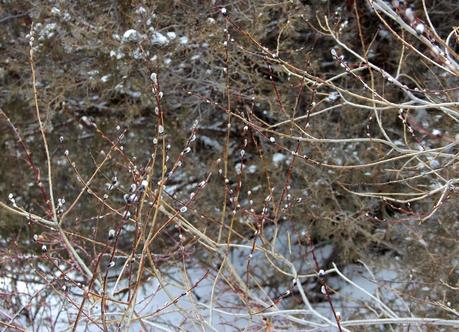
column 154, row 78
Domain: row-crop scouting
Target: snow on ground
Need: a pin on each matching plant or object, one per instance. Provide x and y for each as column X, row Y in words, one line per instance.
column 167, row 304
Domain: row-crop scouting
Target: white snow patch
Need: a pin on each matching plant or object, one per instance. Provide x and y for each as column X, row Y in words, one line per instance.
column 159, row 39
column 137, row 54
column 436, row 132
column 134, row 94
column 131, row 35
column 67, row 17
column 48, row 31
column 183, row 40
column 141, row 10
column 333, row 96
column 118, row 54
column 434, row 163
column 278, row 158
column 252, row 169
column 171, row 35
column 56, row 11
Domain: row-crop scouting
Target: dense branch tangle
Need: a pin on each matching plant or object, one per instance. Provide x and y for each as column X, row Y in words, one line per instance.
column 359, row 134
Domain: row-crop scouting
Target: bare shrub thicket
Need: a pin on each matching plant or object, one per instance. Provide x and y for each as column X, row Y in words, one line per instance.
column 251, row 165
